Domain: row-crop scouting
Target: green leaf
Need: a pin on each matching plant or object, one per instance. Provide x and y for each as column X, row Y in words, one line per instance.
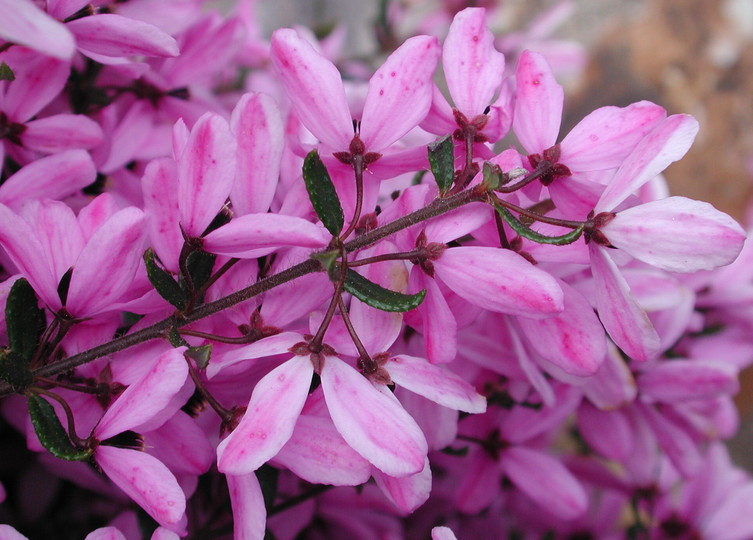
column 51, row 433
column 201, row 355
column 442, row 161
column 15, row 370
column 326, row 258
column 526, row 232
column 163, row 282
column 492, row 175
column 6, row 73
column 378, row 297
column 175, row 339
column 200, row 265
column 322, row 193
column 24, row 319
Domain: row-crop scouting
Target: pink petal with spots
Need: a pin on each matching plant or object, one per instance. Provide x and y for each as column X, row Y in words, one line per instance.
column 435, row 383
column 145, row 398
column 39, row 79
column 160, row 187
column 625, row 321
column 500, row 280
column 144, row 479
column 114, row 35
column 105, row 533
column 667, row 143
column 399, row 93
column 604, row 138
column 249, row 512
column 373, row 424
column 318, row 454
column 257, row 124
column 472, row 66
column 53, row 177
column 438, row 322
column 682, row 380
column 270, row 417
column 251, row 232
column 315, row 88
column 409, row 492
column 573, row 340
column 545, row 480
column 677, row 234
column 538, row 105
column 206, row 170
column 109, row 259
column 25, row 24
column 61, row 132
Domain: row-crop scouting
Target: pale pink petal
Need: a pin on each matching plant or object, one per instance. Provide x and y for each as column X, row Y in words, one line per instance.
column 439, row 325
column 573, row 340
column 479, row 483
column 147, row 397
column 105, row 533
column 545, row 480
column 681, row 380
column 109, row 34
column 458, row 223
column 270, row 417
column 667, row 143
column 500, row 280
column 253, row 231
column 313, row 85
column 39, row 79
column 472, row 66
column 439, row 119
column 442, row 533
column 613, row 385
column 160, row 187
column 22, row 246
column 249, row 513
column 731, row 521
column 128, row 136
column 9, row 533
column 399, row 93
column 435, row 383
column 318, row 454
column 257, row 124
column 25, row 24
column 61, row 132
column 625, row 321
column 57, row 229
column 675, row 440
column 144, row 479
column 92, row 216
column 182, row 445
column 53, row 177
column 269, row 346
column 523, row 423
column 160, row 533
column 109, row 259
column 373, row 424
column 206, row 170
column 609, row 433
column 538, row 104
column 409, row 492
column 604, row 138
column 677, row 234
column 60, row 9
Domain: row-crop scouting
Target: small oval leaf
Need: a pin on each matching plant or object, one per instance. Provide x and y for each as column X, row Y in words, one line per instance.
column 378, row 297
column 15, row 370
column 526, row 232
column 200, row 265
column 6, row 73
column 24, row 319
column 322, row 193
column 51, row 433
column 442, row 161
column 201, row 355
column 163, row 282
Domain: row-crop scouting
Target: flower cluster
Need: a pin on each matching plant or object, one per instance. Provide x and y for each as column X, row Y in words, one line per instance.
column 399, row 305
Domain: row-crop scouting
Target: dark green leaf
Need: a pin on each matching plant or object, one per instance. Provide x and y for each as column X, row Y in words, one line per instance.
column 24, row 319
column 378, row 297
column 200, row 265
column 51, row 433
column 526, row 232
column 442, row 161
column 163, row 282
column 322, row 193
column 492, row 175
column 326, row 258
column 6, row 73
column 200, row 355
column 15, row 370
column 175, row 339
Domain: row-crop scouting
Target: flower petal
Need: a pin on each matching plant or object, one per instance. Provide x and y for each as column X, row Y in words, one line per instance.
column 25, row 24
column 409, row 492
column 270, row 417
column 373, row 424
column 472, row 66
column 681, row 380
column 399, row 93
column 61, row 132
column 249, row 512
column 114, row 35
